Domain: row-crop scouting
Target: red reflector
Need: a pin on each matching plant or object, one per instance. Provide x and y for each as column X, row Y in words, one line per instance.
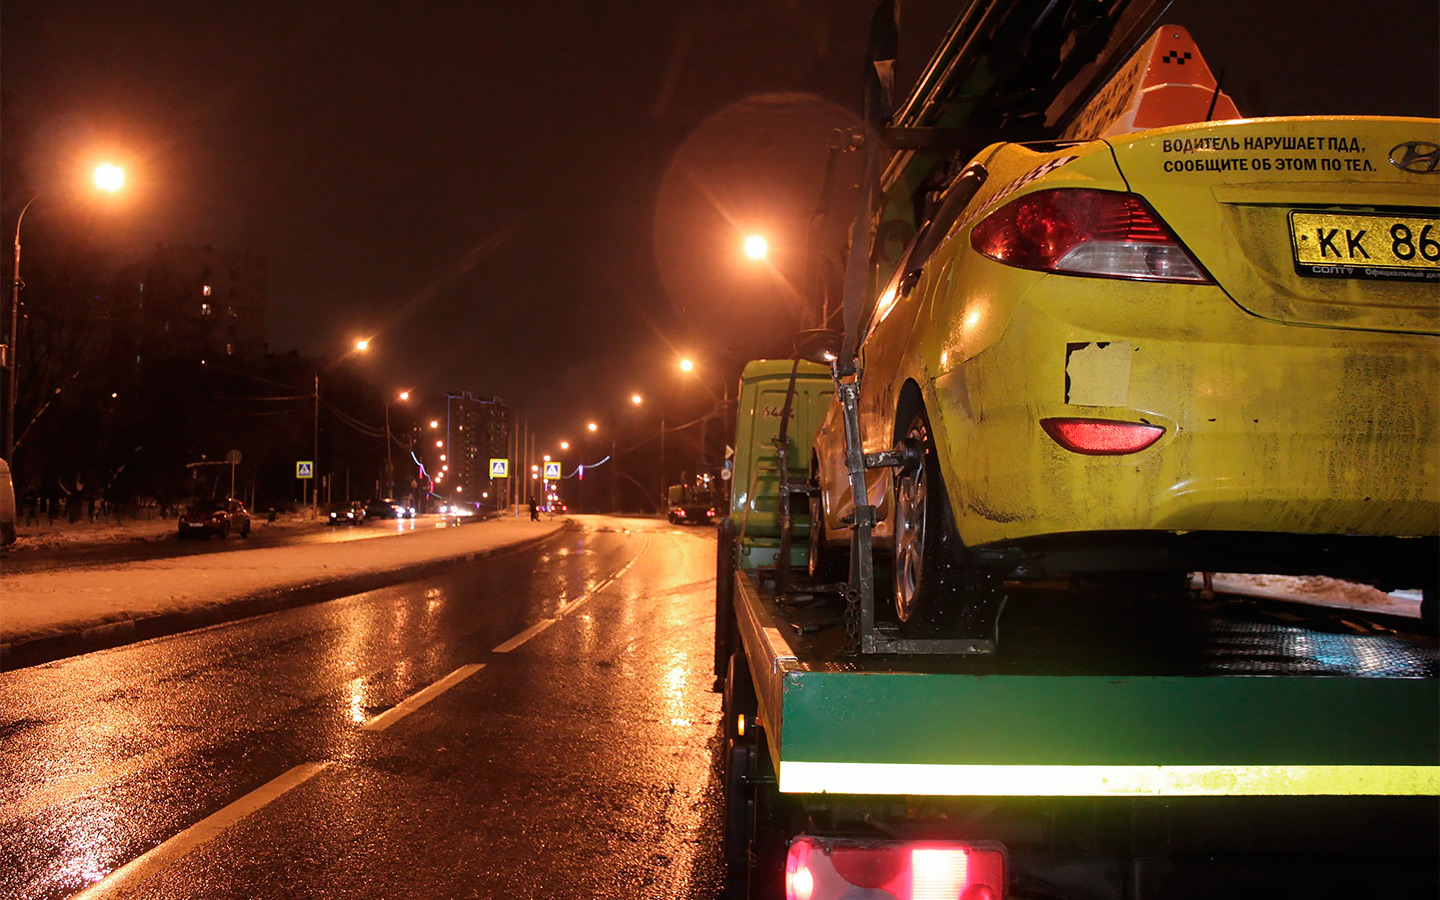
column 1101, row 437
column 832, row 869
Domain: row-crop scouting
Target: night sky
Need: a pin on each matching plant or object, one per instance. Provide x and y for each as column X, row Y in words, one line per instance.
column 503, row 195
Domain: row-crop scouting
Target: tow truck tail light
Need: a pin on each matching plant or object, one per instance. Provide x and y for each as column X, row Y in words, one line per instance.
column 1079, row 231
column 1101, row 437
column 830, row 869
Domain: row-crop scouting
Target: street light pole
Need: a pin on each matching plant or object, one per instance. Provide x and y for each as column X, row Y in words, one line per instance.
column 315, row 451
column 12, row 348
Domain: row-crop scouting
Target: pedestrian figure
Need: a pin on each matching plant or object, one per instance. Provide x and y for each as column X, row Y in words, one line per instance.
column 534, row 511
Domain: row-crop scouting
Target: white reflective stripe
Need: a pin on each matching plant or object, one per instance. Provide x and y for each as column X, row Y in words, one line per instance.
column 1097, row 781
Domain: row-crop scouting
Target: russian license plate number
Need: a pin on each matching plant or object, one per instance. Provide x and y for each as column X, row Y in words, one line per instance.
column 1354, row 245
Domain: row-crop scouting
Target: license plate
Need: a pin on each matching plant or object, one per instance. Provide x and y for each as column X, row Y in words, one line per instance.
column 1352, row 245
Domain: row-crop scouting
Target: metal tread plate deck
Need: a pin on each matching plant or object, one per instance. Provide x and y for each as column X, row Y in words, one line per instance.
column 872, row 727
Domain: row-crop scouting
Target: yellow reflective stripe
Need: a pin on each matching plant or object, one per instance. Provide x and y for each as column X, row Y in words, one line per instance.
column 1098, row 781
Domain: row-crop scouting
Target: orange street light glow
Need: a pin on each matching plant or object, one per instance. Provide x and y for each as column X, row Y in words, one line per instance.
column 756, row 247
column 404, row 395
column 636, row 399
column 362, row 344
column 687, row 365
column 592, row 427
column 109, row 177
column 564, row 445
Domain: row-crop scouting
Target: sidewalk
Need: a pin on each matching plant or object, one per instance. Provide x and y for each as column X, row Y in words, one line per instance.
column 51, row 614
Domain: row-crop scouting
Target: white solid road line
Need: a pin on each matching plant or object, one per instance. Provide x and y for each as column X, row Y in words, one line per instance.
column 129, row 878
column 415, row 701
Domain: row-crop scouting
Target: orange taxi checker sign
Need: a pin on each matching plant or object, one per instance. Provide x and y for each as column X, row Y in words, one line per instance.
column 1355, row 245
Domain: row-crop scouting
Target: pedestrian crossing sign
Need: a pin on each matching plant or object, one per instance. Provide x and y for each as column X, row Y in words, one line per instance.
column 304, row 468
column 499, row 468
column 552, row 471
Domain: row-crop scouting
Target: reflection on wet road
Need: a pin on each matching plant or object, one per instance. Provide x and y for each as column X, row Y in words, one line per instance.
column 532, row 725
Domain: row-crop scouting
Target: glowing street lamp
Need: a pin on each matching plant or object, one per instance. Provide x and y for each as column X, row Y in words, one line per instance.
column 686, row 365
column 107, row 177
column 564, row 445
column 362, row 345
column 756, row 247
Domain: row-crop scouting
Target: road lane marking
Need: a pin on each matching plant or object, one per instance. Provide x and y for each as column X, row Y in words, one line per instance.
column 570, row 607
column 126, row 880
column 420, row 698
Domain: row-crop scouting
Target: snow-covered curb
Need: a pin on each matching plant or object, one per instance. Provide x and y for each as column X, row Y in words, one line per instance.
column 112, row 604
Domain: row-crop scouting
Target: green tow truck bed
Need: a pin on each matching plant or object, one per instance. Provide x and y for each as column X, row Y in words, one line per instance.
column 1130, row 748
column 1251, row 708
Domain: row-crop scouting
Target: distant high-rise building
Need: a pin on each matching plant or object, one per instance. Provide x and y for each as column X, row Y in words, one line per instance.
column 477, row 431
column 191, row 302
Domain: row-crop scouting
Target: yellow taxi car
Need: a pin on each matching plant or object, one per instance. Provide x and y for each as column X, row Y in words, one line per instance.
column 1207, row 347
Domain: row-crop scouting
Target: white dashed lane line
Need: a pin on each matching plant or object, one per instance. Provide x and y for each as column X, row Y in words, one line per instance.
column 570, row 607
column 415, row 701
column 129, row 879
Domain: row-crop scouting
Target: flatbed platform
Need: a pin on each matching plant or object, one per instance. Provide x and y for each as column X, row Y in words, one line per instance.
column 1127, row 697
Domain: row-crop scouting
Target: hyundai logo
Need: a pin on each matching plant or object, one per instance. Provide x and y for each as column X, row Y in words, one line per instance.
column 1416, row 156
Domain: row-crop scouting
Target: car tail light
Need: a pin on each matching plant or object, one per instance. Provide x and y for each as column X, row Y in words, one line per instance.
column 1101, row 437
column 1078, row 231
column 824, row 869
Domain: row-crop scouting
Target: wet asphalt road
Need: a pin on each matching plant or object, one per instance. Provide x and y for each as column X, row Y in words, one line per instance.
column 574, row 759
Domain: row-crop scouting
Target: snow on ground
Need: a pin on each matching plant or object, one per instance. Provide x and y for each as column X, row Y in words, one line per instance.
column 1319, row 591
column 37, row 604
column 149, row 526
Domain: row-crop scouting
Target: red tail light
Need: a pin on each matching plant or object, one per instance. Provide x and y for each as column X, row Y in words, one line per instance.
column 1078, row 231
column 1101, row 437
column 823, row 869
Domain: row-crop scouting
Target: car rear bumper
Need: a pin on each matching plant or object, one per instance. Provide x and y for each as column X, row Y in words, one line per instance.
column 1269, row 428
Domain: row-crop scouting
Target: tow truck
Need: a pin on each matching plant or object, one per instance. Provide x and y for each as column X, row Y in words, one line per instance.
column 1103, row 744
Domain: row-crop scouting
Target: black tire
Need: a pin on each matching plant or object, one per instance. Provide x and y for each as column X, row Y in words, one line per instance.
column 927, row 578
column 740, row 762
column 827, row 564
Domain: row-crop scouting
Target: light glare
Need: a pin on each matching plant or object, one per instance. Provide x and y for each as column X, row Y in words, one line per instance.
column 756, row 247
column 109, row 177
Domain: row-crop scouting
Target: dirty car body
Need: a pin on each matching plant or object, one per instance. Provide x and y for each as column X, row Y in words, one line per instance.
column 1203, row 347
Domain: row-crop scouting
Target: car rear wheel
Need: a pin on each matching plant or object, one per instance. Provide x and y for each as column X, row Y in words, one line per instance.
column 828, row 564
column 926, row 576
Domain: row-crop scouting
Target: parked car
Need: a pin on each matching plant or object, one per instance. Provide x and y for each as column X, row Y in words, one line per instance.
column 389, row 509
column 347, row 513
column 1107, row 356
column 7, row 506
column 219, row 517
